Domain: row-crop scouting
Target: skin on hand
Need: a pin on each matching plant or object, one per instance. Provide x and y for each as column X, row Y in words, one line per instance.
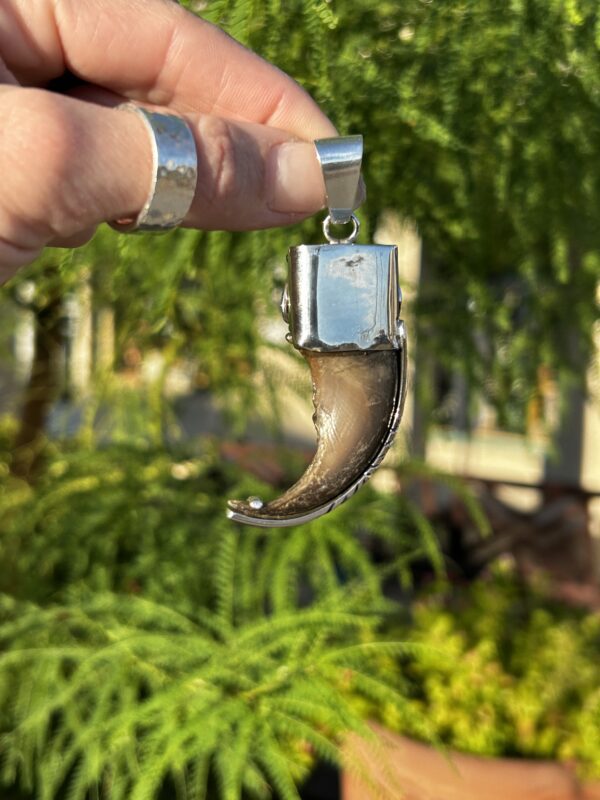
column 69, row 163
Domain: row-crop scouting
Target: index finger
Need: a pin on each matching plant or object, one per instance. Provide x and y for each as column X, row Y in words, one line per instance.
column 155, row 51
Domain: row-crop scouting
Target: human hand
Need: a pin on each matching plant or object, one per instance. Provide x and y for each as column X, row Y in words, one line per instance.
column 70, row 162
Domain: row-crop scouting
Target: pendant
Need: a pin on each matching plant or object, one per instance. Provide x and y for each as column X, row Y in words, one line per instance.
column 342, row 304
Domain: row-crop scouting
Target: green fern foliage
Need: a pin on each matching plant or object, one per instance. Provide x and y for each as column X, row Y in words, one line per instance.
column 150, row 647
column 151, row 522
column 120, row 696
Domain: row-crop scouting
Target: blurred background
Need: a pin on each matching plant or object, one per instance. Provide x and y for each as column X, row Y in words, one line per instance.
column 150, row 648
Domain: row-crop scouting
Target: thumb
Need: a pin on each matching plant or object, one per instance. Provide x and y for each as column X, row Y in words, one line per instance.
column 252, row 176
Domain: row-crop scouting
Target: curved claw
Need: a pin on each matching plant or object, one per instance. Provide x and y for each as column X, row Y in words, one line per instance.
column 358, row 399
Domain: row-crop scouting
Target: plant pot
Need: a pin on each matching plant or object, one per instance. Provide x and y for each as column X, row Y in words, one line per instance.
column 396, row 768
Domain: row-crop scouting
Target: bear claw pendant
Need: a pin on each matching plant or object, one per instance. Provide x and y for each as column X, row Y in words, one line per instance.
column 342, row 304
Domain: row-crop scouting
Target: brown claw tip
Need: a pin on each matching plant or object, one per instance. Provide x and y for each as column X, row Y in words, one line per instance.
column 357, row 397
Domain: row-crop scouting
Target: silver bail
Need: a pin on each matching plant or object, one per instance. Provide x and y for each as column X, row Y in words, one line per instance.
column 340, row 159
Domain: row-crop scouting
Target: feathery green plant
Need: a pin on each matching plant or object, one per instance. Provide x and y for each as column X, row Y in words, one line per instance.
column 147, row 642
column 130, row 519
column 117, row 696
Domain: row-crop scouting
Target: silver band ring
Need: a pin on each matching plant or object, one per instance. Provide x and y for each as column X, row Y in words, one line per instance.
column 174, row 173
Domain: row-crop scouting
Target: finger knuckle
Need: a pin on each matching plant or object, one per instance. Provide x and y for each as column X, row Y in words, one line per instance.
column 35, row 145
column 13, row 256
column 220, row 158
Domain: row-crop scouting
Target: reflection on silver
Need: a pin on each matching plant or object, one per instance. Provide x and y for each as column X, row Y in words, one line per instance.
column 340, row 159
column 344, row 297
column 174, row 173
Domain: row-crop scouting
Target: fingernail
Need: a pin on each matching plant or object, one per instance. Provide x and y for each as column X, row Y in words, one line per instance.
column 294, row 179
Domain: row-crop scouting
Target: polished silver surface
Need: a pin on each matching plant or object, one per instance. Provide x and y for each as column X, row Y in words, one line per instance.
column 340, row 159
column 343, row 297
column 174, row 173
column 284, row 305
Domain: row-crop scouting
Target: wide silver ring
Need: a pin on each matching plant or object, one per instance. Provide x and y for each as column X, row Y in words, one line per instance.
column 174, row 173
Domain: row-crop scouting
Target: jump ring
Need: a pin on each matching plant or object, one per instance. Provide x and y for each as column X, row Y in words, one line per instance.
column 349, row 239
column 174, row 173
